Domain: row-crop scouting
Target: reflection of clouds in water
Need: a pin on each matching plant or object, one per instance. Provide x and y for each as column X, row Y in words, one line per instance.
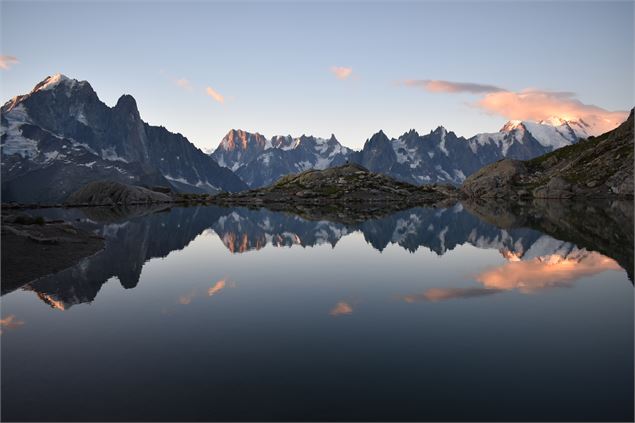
column 218, row 286
column 546, row 271
column 341, row 308
column 187, row 298
column 10, row 322
column 527, row 276
column 440, row 294
column 211, row 291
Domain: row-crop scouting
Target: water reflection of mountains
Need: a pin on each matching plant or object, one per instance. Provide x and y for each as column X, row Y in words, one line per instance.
column 136, row 236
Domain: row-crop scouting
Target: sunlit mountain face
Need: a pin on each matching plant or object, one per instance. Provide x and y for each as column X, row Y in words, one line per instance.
column 242, row 306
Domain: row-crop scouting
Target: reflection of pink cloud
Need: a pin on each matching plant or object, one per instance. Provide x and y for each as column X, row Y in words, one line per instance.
column 341, row 308
column 215, row 95
column 211, row 291
column 216, row 288
column 436, row 86
column 187, row 298
column 341, row 72
column 440, row 294
column 544, row 272
column 10, row 322
column 525, row 276
column 7, row 61
column 538, row 105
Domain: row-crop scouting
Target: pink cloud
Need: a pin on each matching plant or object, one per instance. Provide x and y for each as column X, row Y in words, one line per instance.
column 215, row 95
column 537, row 105
column 7, row 61
column 529, row 104
column 184, row 83
column 341, row 72
column 437, row 86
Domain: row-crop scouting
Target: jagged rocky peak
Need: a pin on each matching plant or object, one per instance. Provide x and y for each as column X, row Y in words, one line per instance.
column 440, row 131
column 127, row 105
column 281, row 140
column 238, row 138
column 378, row 136
column 71, row 87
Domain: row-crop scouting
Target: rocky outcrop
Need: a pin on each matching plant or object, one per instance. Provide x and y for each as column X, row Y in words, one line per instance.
column 495, row 178
column 598, row 167
column 108, row 193
column 350, row 186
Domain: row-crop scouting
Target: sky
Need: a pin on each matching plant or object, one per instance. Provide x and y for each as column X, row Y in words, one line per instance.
column 350, row 69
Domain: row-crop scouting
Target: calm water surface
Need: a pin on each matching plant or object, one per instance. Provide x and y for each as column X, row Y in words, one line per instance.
column 232, row 314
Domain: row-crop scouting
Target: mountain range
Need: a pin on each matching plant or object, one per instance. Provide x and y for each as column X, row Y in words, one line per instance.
column 437, row 157
column 61, row 136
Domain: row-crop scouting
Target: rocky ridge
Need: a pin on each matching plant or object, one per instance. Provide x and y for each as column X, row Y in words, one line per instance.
column 350, row 186
column 598, row 167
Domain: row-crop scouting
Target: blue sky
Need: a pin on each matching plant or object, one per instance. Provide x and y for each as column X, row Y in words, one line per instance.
column 272, row 64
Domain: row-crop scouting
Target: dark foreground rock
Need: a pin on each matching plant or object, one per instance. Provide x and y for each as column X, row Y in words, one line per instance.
column 598, row 167
column 33, row 247
column 344, row 190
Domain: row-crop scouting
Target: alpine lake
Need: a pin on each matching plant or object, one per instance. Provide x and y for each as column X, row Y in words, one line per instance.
column 474, row 311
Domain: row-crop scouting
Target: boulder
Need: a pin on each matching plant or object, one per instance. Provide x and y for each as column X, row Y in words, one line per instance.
column 497, row 180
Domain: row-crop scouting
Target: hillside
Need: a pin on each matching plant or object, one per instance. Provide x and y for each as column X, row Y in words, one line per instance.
column 348, row 187
column 597, row 167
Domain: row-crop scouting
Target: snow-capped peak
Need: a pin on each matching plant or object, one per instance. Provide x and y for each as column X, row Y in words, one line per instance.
column 51, row 82
column 512, row 125
column 579, row 127
column 554, row 121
